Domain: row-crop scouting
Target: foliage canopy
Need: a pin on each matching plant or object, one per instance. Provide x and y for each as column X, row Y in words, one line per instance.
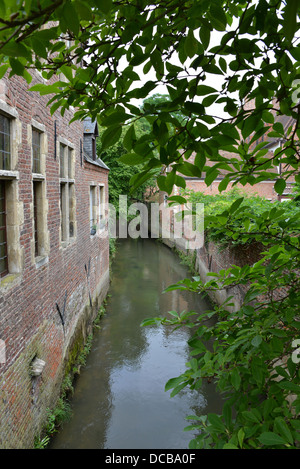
column 113, row 52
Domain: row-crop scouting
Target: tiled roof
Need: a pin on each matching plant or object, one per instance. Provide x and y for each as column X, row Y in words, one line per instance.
column 96, row 162
column 90, row 127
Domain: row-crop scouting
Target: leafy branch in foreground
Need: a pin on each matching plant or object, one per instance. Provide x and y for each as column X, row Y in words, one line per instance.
column 112, row 54
column 252, row 356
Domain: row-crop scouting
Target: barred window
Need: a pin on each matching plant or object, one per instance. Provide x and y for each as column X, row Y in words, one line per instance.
column 35, row 217
column 5, row 147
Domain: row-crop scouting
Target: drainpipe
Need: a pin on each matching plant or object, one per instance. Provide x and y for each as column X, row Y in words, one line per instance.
column 280, row 169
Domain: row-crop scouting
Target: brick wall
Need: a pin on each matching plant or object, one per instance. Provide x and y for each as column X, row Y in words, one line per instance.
column 207, row 256
column 263, row 189
column 210, row 258
column 30, row 325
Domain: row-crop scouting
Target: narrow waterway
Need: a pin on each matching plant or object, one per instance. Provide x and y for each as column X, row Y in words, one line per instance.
column 119, row 400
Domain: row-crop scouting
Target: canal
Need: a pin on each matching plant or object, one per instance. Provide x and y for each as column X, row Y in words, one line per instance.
column 119, row 400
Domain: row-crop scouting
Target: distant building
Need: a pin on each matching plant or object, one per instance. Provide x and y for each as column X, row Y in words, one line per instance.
column 54, row 252
column 263, row 188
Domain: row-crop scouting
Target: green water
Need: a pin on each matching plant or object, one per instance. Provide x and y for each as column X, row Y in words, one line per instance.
column 119, row 400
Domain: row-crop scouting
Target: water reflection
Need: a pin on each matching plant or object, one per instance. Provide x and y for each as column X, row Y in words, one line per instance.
column 119, row 399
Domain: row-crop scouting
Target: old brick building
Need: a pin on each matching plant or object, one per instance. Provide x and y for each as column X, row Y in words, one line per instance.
column 54, row 253
column 263, row 188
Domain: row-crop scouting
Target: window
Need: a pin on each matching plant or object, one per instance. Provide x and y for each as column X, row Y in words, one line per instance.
column 37, row 188
column 63, row 212
column 5, row 145
column 62, row 160
column 93, row 212
column 11, row 208
column 67, row 192
column 101, row 207
column 36, row 151
column 40, row 241
column 3, row 238
column 67, row 210
column 70, row 175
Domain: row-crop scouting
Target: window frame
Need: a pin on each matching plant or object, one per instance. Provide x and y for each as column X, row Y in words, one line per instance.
column 36, row 237
column 36, row 148
column 67, row 197
column 2, row 149
column 102, row 217
column 40, row 241
column 9, row 178
column 4, row 229
column 93, row 206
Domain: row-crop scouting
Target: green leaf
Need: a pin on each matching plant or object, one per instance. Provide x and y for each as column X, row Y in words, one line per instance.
column 104, row 5
column 157, row 62
column 84, row 11
column 149, row 322
column 17, row 67
column 38, row 47
column 180, row 182
column 250, row 416
column 289, row 386
column 211, row 176
column 132, row 159
column 68, row 72
column 249, row 125
column 235, row 379
column 178, row 199
column 216, row 422
column 46, row 89
column 16, row 49
column 236, row 205
column 279, row 186
column 173, row 382
column 205, row 36
column 170, row 181
column 256, row 341
column 116, row 117
column 162, row 134
column 178, row 388
column 241, row 436
column 218, row 17
column 3, row 70
column 54, row 107
column 268, row 117
column 223, row 184
column 110, row 136
column 195, row 108
column 281, row 427
column 271, row 439
column 190, row 44
column 203, row 130
column 70, row 17
column 290, row 18
column 188, row 169
column 295, row 51
column 161, row 182
column 129, row 138
column 223, row 64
